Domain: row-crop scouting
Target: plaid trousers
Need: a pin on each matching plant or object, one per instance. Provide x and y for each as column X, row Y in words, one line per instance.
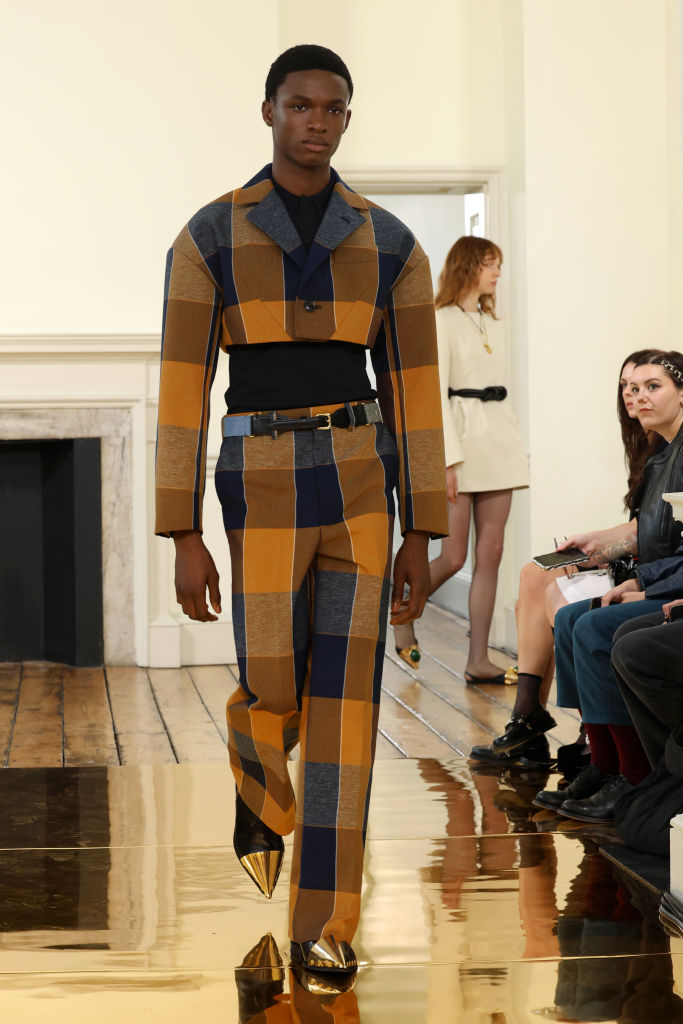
column 309, row 518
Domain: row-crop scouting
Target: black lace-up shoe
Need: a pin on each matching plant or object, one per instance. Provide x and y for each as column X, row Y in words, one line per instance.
column 587, row 782
column 600, row 806
column 519, row 733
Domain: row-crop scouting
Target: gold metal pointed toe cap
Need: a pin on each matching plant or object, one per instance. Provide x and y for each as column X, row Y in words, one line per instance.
column 327, row 954
column 263, row 867
column 324, row 984
column 264, row 955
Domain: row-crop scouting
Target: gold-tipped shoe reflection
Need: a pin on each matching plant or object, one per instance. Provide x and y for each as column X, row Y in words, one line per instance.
column 265, row 956
column 259, row 980
column 327, row 954
column 263, row 867
column 324, row 984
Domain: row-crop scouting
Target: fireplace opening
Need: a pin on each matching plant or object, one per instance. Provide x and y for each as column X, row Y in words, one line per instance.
column 51, row 551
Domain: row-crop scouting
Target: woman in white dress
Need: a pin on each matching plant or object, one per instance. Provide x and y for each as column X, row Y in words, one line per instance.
column 485, row 455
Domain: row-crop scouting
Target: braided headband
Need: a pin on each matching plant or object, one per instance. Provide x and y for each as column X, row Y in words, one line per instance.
column 673, row 370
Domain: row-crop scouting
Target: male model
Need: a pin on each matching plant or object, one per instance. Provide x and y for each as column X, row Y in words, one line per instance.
column 295, row 276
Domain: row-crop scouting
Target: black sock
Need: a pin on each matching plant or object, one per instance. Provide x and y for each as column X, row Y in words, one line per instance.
column 528, row 689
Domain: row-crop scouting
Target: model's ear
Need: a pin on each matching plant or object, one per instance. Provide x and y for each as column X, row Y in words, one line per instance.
column 348, row 118
column 267, row 112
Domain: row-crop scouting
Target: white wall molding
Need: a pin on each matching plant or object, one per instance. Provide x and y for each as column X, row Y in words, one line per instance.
column 120, row 346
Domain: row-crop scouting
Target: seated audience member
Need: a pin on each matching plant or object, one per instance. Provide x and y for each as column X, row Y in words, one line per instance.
column 647, row 656
column 583, row 637
column 524, row 733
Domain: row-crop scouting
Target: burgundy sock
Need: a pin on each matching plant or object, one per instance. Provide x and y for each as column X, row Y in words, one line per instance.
column 528, row 688
column 604, row 753
column 633, row 762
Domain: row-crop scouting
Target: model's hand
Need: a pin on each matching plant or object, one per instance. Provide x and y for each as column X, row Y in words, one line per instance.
column 617, row 595
column 411, row 569
column 451, row 484
column 195, row 571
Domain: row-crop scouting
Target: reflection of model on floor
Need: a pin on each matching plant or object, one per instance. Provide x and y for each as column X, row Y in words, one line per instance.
column 312, row 997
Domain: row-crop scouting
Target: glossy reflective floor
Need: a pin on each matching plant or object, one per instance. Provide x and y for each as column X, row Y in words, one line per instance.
column 120, row 898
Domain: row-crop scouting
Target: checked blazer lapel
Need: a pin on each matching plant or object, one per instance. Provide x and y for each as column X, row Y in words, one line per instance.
column 339, row 221
column 270, row 215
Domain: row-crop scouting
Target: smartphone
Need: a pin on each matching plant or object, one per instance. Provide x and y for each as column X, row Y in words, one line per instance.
column 556, row 559
column 596, row 602
column 675, row 613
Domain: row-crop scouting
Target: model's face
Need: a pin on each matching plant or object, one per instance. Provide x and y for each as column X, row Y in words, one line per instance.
column 489, row 272
column 658, row 401
column 309, row 115
column 627, row 396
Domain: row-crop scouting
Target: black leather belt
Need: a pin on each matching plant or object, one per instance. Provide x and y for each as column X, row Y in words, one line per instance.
column 264, row 423
column 495, row 393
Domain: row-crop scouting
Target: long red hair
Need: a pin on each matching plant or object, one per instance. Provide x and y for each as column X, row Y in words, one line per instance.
column 461, row 270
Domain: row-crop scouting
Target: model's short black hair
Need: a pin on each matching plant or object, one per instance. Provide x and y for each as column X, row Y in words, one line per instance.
column 305, row 57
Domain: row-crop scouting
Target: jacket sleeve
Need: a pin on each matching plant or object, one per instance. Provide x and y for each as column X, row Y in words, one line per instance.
column 189, row 352
column 663, row 578
column 453, row 448
column 405, row 360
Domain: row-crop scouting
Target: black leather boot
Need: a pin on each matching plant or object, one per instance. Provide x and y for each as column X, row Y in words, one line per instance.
column 259, row 849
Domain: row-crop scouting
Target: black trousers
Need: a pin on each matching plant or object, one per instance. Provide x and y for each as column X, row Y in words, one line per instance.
column 647, row 656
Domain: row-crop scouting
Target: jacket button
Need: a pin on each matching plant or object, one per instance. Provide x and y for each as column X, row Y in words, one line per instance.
column 309, row 306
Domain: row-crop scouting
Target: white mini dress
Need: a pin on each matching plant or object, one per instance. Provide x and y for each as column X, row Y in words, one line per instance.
column 482, row 439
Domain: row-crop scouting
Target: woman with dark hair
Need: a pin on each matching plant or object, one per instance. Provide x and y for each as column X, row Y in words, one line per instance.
column 540, row 593
column 583, row 637
column 485, row 455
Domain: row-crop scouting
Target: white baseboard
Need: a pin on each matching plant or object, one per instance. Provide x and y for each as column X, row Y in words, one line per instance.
column 173, row 643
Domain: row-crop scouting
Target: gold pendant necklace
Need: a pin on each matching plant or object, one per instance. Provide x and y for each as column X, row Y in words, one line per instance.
column 481, row 327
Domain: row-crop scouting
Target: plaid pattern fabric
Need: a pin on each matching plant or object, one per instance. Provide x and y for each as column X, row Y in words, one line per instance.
column 309, row 520
column 238, row 274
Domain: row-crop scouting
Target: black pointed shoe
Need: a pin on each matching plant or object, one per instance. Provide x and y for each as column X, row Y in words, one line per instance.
column 587, row 783
column 326, row 954
column 260, row 850
column 519, row 733
column 599, row 807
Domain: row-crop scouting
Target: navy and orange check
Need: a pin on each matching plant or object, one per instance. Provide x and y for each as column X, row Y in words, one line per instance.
column 309, row 519
column 238, row 274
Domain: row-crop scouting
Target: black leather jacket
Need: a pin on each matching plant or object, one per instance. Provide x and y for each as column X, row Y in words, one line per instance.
column 660, row 550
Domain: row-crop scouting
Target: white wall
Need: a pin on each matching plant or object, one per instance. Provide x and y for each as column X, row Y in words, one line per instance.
column 603, row 238
column 119, row 121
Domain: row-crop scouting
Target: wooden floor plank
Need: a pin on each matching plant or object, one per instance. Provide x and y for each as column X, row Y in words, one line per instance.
column 88, row 727
column 10, row 676
column 133, row 706
column 458, row 731
column 386, row 750
column 214, row 684
column 412, row 737
column 37, row 739
column 193, row 732
column 145, row 748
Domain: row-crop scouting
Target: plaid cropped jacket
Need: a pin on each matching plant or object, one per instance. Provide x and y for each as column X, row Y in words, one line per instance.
column 238, row 274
